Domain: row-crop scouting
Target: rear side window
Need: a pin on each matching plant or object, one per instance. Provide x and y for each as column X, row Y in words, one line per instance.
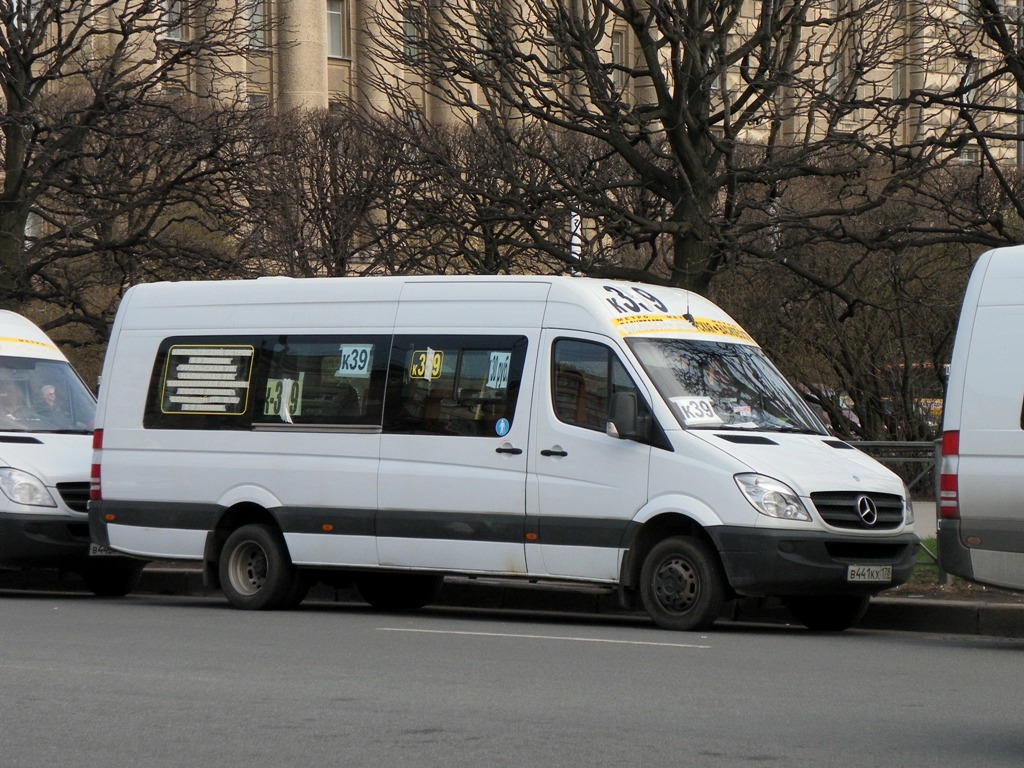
column 201, row 382
column 454, row 385
column 246, row 381
column 327, row 380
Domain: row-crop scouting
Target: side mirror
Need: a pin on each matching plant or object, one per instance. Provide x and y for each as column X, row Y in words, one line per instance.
column 623, row 421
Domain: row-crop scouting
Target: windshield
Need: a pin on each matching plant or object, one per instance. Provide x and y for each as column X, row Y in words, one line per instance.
column 717, row 385
column 43, row 396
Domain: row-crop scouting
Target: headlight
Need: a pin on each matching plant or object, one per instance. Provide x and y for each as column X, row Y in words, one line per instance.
column 23, row 488
column 908, row 507
column 772, row 498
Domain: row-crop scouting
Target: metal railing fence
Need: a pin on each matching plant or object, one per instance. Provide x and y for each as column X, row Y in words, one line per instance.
column 914, row 461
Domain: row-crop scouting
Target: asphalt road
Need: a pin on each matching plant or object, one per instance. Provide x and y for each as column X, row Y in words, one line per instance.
column 174, row 681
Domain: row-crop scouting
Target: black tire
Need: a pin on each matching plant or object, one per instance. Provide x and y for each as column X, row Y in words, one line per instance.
column 398, row 591
column 255, row 571
column 111, row 578
column 300, row 588
column 828, row 613
column 682, row 584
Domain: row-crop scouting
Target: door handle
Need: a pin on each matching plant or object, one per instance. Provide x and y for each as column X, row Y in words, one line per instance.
column 553, row 452
column 508, row 449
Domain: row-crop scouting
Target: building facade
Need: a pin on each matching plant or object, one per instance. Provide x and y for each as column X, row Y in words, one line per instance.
column 886, row 59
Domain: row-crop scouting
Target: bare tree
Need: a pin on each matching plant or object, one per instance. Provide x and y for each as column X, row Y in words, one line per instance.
column 466, row 214
column 986, row 93
column 111, row 172
column 876, row 373
column 689, row 131
column 322, row 203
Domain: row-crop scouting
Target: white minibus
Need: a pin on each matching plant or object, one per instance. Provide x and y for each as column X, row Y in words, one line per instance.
column 392, row 431
column 46, row 420
column 981, row 481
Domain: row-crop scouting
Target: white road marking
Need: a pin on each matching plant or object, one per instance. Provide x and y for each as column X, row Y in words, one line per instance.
column 545, row 637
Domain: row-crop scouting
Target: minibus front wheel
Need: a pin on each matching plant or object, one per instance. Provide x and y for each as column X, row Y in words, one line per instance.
column 255, row 570
column 112, row 579
column 682, row 585
column 828, row 613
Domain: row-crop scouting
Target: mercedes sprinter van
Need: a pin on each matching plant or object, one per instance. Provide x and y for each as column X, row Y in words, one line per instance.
column 396, row 430
column 981, row 481
column 46, row 422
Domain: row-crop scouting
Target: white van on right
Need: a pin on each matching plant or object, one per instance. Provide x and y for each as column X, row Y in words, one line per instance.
column 981, row 481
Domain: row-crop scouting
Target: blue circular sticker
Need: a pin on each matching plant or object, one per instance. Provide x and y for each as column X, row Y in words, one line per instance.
column 501, row 427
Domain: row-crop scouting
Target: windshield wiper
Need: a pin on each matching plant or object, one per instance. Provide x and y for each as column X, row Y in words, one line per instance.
column 728, row 427
column 794, row 430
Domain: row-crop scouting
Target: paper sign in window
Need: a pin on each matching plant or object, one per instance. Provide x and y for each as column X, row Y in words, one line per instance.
column 207, row 379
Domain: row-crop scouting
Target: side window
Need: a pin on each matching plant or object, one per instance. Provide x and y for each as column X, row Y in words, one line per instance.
column 202, row 383
column 454, row 385
column 323, row 380
column 584, row 377
column 238, row 382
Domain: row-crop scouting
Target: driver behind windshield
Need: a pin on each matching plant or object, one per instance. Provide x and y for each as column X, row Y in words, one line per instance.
column 12, row 403
column 718, row 384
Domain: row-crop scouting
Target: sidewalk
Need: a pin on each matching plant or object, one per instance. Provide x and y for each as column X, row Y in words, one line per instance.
column 904, row 614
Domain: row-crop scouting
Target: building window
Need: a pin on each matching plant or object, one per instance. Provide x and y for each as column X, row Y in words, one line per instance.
column 714, row 75
column 258, row 37
column 618, row 60
column 25, row 12
column 967, row 71
column 964, row 13
column 553, row 58
column 411, row 31
column 173, row 20
column 969, row 155
column 338, row 29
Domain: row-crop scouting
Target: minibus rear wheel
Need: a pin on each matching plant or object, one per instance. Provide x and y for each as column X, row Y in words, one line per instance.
column 255, row 570
column 682, row 585
column 398, row 591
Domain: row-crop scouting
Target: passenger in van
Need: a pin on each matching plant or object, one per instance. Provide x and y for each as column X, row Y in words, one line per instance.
column 49, row 407
column 347, row 408
column 49, row 393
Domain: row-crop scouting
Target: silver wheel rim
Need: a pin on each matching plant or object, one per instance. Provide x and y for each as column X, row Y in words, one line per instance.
column 247, row 568
column 676, row 584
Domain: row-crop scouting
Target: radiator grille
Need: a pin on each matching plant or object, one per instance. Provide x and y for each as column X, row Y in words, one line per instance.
column 75, row 495
column 859, row 511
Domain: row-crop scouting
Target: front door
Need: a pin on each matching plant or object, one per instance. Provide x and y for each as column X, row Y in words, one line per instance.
column 584, row 486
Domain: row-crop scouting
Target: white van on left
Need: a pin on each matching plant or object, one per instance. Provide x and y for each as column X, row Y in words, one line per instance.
column 46, row 423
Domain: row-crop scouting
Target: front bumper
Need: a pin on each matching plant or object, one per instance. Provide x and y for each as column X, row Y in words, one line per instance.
column 761, row 562
column 36, row 541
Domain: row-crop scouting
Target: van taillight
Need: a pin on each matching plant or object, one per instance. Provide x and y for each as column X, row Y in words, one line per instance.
column 95, row 493
column 949, row 487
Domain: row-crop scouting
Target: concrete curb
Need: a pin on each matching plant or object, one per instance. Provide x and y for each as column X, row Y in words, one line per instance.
column 960, row 617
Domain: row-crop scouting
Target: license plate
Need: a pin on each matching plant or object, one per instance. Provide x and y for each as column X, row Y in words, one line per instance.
column 876, row 573
column 98, row 550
